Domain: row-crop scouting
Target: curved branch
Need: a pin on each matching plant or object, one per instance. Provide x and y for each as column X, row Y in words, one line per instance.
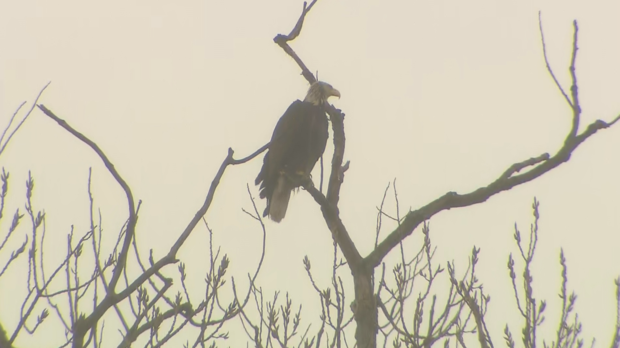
column 170, row 258
column 133, row 218
column 8, row 139
column 544, row 47
column 82, row 326
column 282, row 41
column 250, row 157
column 300, row 22
column 542, row 164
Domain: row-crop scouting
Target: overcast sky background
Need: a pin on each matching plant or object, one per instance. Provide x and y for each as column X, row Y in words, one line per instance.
column 442, row 95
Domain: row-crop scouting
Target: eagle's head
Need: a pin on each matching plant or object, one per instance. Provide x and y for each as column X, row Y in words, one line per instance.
column 319, row 92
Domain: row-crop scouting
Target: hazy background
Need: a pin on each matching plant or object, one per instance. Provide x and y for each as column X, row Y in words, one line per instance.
column 442, row 95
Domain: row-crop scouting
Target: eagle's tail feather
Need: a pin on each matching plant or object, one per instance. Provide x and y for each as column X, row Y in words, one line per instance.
column 279, row 199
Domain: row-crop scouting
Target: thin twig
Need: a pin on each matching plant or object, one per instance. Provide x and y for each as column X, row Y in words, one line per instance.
column 544, row 47
column 111, row 297
column 8, row 126
column 282, row 41
column 22, row 121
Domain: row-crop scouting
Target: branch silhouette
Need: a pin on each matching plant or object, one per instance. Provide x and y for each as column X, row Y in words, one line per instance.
column 541, row 165
column 365, row 306
column 3, row 143
column 111, row 298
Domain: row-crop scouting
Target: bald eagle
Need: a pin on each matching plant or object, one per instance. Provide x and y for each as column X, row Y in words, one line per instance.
column 298, row 141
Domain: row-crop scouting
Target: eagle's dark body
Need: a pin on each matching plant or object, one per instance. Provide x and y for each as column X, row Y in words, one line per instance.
column 297, row 143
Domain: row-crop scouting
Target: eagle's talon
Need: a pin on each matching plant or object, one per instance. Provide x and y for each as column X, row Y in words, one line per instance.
column 300, row 178
column 309, row 184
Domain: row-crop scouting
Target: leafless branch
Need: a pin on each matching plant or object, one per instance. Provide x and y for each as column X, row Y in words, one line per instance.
column 39, row 291
column 544, row 163
column 532, row 309
column 431, row 322
column 282, row 41
column 8, row 126
column 544, row 47
column 380, row 216
column 133, row 218
column 14, row 255
column 111, row 298
column 574, row 89
column 476, row 311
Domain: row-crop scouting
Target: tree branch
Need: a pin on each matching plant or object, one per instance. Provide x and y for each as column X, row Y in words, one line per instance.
column 133, row 218
column 282, row 41
column 542, row 164
column 574, row 89
column 339, row 231
column 544, row 47
column 8, row 139
column 84, row 325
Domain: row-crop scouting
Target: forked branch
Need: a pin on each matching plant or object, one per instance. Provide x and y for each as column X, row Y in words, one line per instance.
column 282, row 41
column 3, row 143
column 84, row 325
column 540, row 165
column 133, row 217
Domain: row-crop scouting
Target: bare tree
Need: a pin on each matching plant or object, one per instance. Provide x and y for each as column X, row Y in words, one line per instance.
column 362, row 267
column 145, row 309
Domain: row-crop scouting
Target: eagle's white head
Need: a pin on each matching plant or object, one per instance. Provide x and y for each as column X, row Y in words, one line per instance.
column 319, row 92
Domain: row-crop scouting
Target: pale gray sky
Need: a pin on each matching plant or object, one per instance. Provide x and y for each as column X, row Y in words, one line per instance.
column 442, row 95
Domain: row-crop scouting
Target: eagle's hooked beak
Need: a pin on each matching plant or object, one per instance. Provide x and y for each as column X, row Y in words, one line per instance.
column 335, row 93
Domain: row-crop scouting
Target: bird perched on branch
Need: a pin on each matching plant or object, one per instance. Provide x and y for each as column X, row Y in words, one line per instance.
column 298, row 141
